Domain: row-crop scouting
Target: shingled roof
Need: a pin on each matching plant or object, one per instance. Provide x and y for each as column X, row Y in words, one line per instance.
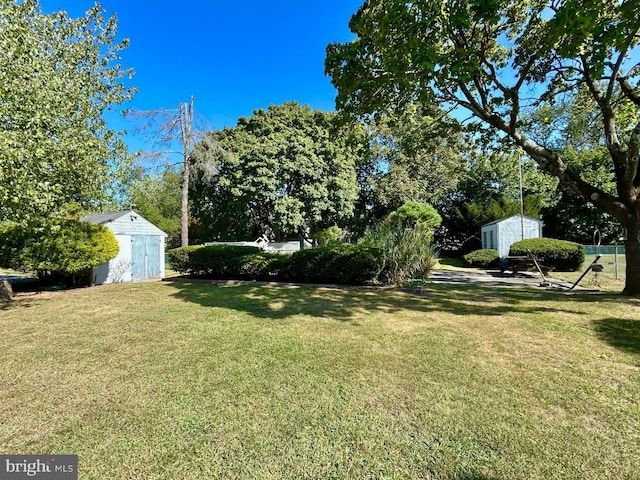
column 102, row 218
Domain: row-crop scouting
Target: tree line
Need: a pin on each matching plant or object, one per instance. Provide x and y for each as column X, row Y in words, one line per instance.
column 469, row 106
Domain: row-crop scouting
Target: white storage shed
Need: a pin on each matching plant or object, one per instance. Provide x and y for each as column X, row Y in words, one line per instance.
column 141, row 255
column 501, row 234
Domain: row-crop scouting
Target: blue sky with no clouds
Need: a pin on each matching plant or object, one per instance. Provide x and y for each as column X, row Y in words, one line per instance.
column 234, row 57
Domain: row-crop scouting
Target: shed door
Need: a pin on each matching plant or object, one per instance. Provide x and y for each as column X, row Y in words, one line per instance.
column 145, row 257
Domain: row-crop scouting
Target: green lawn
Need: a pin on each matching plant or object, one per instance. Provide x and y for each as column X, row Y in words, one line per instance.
column 187, row 380
column 609, row 280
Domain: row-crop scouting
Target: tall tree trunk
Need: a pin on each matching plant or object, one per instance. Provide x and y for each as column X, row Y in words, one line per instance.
column 186, row 121
column 632, row 249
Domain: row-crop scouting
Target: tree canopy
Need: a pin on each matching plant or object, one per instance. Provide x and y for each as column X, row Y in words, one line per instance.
column 408, row 157
column 156, row 196
column 283, row 170
column 58, row 75
column 496, row 59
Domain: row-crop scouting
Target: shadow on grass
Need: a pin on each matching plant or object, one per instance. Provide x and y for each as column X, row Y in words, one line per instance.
column 620, row 333
column 283, row 301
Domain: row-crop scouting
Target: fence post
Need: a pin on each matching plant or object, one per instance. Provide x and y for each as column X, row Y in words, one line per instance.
column 616, row 257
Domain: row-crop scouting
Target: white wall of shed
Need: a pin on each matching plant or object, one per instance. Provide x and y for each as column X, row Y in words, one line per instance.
column 117, row 269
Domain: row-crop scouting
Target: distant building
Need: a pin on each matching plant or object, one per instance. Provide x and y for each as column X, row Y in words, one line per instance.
column 141, row 255
column 501, row 234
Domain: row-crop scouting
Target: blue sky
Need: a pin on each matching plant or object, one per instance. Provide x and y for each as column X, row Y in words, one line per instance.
column 234, row 57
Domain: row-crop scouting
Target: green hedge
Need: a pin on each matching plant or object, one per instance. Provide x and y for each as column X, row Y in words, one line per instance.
column 227, row 261
column 483, row 258
column 180, row 258
column 343, row 263
column 559, row 254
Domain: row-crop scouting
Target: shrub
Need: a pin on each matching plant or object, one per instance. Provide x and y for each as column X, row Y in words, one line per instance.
column 559, row 254
column 483, row 258
column 261, row 266
column 180, row 258
column 412, row 214
column 342, row 263
column 65, row 252
column 327, row 236
column 408, row 253
column 12, row 241
column 210, row 260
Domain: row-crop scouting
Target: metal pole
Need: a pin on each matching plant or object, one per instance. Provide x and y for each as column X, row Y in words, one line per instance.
column 616, row 257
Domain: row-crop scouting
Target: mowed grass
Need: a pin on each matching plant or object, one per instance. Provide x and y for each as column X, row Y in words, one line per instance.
column 190, row 380
column 609, row 280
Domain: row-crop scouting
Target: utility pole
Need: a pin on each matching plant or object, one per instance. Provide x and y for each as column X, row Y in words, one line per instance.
column 186, row 123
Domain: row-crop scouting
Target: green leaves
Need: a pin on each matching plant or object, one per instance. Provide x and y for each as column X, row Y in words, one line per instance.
column 57, row 76
column 287, row 168
column 65, row 249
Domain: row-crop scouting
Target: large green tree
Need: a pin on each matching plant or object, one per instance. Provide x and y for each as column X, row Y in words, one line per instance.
column 409, row 157
column 571, row 126
column 157, row 197
column 283, row 170
column 495, row 59
column 58, row 75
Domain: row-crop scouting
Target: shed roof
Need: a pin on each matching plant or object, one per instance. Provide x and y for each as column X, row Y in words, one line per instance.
column 125, row 223
column 102, row 218
column 510, row 217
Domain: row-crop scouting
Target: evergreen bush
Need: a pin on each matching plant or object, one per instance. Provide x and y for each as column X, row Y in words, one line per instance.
column 562, row 255
column 342, row 263
column 483, row 258
column 61, row 253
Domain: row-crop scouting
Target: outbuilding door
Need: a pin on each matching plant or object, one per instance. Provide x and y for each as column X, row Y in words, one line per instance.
column 145, row 257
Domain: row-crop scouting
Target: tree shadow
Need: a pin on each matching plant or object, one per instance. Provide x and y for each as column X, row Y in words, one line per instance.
column 619, row 333
column 348, row 303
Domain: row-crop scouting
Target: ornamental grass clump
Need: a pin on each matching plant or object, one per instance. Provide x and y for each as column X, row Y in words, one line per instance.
column 406, row 241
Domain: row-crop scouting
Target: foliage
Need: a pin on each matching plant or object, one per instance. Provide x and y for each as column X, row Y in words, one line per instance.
column 340, row 263
column 287, row 169
column 343, row 264
column 562, row 255
column 157, row 198
column 327, row 236
column 497, row 59
column 181, row 258
column 58, row 76
column 408, row 253
column 413, row 155
column 209, row 260
column 572, row 127
column 415, row 214
column 63, row 252
column 490, row 190
column 483, row 258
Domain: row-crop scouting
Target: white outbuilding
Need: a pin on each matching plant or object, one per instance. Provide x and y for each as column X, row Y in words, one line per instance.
column 501, row 234
column 141, row 255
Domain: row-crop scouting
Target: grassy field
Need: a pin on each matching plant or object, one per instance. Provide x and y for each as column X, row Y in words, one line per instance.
column 609, row 280
column 188, row 380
